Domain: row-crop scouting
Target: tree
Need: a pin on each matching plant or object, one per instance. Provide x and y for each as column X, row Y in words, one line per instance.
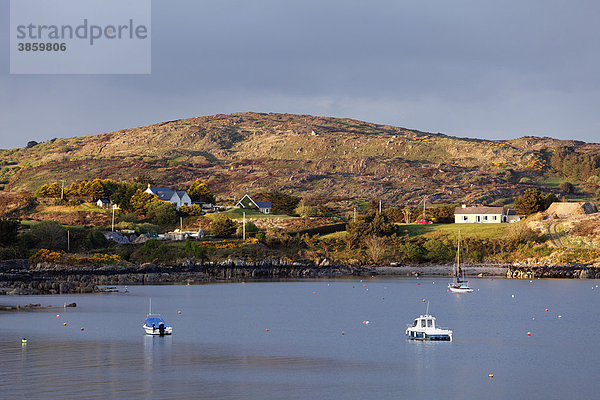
column 9, row 229
column 566, row 188
column 162, row 212
column 375, row 247
column 141, row 200
column 371, row 224
column 198, row 191
column 529, row 202
column 282, row 203
column 223, row 226
column 193, row 210
column 52, row 190
column 144, row 179
column 96, row 189
column 438, row 251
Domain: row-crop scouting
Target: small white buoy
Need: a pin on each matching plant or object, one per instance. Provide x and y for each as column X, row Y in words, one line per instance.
column 559, row 316
column 513, row 296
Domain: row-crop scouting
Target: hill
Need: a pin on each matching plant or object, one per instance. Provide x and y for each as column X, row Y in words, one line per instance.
column 322, row 159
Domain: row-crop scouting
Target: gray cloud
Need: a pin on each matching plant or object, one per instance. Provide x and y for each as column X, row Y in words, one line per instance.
column 467, row 68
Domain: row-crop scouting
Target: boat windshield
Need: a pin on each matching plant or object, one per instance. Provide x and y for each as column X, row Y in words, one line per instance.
column 415, row 323
column 422, row 323
column 156, row 321
column 429, row 323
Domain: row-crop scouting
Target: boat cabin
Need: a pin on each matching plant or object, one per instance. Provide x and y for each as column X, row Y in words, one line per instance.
column 424, row 321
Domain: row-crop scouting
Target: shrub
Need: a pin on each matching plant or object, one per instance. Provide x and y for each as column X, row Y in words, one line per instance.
column 9, row 229
column 162, row 212
column 438, row 251
column 223, row 226
column 48, row 235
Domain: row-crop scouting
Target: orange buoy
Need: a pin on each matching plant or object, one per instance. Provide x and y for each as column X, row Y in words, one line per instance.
column 528, row 333
column 343, row 333
column 82, row 329
column 491, row 376
column 546, row 310
column 267, row 329
column 64, row 324
column 57, row 315
column 178, row 312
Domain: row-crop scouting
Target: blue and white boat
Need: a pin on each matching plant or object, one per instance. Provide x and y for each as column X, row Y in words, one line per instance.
column 424, row 328
column 155, row 325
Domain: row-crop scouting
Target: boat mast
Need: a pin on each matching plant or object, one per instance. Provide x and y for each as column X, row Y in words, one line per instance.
column 150, row 310
column 457, row 269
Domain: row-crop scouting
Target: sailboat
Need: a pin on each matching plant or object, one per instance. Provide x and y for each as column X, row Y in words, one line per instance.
column 155, row 325
column 459, row 285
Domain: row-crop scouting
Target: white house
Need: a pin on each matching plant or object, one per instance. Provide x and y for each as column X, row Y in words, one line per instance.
column 483, row 215
column 103, row 203
column 247, row 202
column 177, row 197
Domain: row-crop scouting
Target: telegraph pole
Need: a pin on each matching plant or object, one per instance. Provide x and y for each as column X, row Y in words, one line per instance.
column 244, row 225
column 62, row 190
column 379, row 206
column 114, row 207
column 354, row 213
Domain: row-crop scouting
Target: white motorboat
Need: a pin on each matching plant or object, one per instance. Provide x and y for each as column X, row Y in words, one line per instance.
column 424, row 328
column 459, row 285
column 155, row 325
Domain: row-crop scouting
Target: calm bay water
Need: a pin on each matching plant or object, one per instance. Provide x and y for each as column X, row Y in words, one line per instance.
column 221, row 348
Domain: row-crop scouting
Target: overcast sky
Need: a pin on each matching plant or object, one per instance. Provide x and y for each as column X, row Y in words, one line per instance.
column 487, row 69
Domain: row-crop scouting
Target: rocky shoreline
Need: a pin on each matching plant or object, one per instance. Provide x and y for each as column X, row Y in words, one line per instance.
column 18, row 277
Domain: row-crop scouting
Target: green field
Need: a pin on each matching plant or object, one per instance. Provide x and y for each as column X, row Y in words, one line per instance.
column 491, row 231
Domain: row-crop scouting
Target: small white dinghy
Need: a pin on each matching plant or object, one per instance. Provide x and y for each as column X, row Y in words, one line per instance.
column 155, row 325
column 424, row 328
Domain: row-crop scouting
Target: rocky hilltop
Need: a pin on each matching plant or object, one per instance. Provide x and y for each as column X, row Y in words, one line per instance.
column 315, row 157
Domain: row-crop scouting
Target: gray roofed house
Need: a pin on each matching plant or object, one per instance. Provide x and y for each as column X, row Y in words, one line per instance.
column 178, row 197
column 247, row 202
